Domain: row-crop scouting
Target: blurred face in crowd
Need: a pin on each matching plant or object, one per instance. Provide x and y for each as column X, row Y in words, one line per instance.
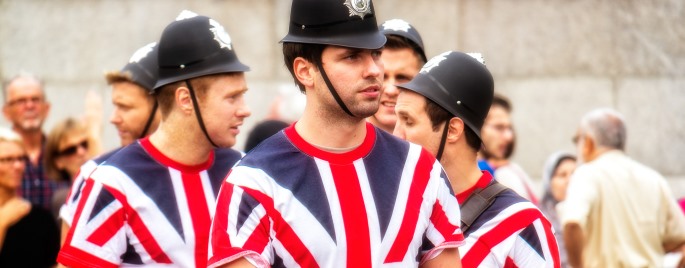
column 497, row 133
column 72, row 152
column 561, row 177
column 356, row 75
column 400, row 66
column 25, row 105
column 132, row 108
column 12, row 165
column 224, row 109
column 413, row 123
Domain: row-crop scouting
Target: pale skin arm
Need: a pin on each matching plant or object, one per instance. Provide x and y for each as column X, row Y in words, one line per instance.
column 448, row 258
column 239, row 263
column 574, row 240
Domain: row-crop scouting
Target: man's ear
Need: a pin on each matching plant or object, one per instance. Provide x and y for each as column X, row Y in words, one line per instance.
column 304, row 71
column 456, row 129
column 589, row 147
column 183, row 99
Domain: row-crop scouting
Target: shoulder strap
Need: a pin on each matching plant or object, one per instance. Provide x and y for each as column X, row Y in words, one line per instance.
column 478, row 202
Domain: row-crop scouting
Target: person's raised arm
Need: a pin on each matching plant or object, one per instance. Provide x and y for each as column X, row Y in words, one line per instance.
column 448, row 258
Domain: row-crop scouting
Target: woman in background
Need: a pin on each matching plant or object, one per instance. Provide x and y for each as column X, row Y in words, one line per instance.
column 28, row 234
column 68, row 146
column 555, row 178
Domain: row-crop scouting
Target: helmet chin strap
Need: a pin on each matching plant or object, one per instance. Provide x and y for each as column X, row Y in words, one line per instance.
column 443, row 140
column 198, row 114
column 149, row 120
column 332, row 89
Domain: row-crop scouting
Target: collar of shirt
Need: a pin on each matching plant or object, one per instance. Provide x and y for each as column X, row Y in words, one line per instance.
column 483, row 182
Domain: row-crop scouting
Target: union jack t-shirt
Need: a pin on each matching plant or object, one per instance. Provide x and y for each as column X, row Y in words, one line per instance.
column 141, row 208
column 289, row 204
column 68, row 209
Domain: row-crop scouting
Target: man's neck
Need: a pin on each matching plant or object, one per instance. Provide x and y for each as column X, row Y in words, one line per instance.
column 341, row 132
column 495, row 162
column 461, row 168
column 180, row 146
column 378, row 124
column 33, row 142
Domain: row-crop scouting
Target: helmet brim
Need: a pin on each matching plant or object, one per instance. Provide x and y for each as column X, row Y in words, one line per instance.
column 424, row 86
column 234, row 67
column 372, row 40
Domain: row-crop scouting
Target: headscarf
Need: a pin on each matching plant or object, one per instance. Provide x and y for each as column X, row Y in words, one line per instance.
column 548, row 203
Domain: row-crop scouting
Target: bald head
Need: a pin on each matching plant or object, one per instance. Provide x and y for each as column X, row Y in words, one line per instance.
column 606, row 126
column 19, row 81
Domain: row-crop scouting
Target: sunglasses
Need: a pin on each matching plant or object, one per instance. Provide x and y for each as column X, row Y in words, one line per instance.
column 71, row 150
column 12, row 159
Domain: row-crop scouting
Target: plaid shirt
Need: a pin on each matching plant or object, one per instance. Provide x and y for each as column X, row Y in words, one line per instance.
column 35, row 186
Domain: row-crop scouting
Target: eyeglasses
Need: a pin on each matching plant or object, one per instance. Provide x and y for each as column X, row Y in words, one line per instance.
column 71, row 150
column 24, row 101
column 12, row 159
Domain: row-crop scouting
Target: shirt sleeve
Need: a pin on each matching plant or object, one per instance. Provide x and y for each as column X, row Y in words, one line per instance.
column 240, row 228
column 96, row 237
column 581, row 194
column 674, row 231
column 534, row 246
column 68, row 209
column 444, row 227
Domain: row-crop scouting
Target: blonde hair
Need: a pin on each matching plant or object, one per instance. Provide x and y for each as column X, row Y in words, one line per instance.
column 8, row 135
column 59, row 133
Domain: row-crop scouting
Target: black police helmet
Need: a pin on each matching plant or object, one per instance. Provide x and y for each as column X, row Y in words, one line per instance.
column 194, row 46
column 404, row 29
column 349, row 23
column 141, row 67
column 459, row 83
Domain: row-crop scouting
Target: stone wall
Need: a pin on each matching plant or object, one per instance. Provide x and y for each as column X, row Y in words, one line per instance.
column 555, row 60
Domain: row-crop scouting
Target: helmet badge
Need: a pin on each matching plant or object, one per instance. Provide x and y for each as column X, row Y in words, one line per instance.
column 396, row 25
column 434, row 62
column 358, row 7
column 142, row 53
column 220, row 35
column 478, row 57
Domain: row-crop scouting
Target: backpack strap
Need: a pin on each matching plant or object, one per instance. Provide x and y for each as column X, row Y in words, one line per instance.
column 478, row 202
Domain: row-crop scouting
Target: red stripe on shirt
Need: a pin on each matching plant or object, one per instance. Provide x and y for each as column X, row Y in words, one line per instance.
column 411, row 214
column 256, row 241
column 221, row 242
column 443, row 225
column 140, row 230
column 199, row 212
column 85, row 193
column 499, row 233
column 354, row 215
column 76, row 258
column 509, row 263
column 108, row 229
column 551, row 242
column 284, row 233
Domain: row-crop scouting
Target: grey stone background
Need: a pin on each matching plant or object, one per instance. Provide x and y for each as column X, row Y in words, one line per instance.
column 554, row 59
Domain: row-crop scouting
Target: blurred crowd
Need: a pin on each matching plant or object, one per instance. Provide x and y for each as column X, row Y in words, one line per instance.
column 605, row 209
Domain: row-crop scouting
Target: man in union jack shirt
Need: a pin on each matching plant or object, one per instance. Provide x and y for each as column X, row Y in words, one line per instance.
column 332, row 190
column 135, row 116
column 151, row 203
column 443, row 109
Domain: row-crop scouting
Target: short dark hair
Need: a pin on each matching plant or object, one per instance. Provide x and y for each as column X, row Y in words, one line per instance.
column 439, row 115
column 400, row 42
column 310, row 52
column 166, row 94
column 501, row 101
